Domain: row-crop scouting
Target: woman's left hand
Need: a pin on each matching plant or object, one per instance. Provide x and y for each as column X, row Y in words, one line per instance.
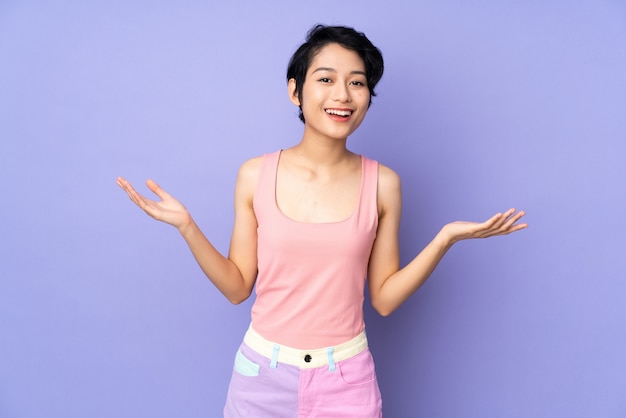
column 499, row 224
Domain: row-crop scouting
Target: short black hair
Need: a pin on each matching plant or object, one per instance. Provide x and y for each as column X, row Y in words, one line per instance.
column 320, row 36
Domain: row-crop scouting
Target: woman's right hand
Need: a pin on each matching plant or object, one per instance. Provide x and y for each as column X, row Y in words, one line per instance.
column 168, row 210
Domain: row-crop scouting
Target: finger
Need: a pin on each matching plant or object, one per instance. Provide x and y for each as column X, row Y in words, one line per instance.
column 503, row 220
column 125, row 184
column 509, row 212
column 157, row 190
column 133, row 195
column 519, row 227
column 486, row 228
column 499, row 224
column 511, row 225
column 489, row 223
column 512, row 220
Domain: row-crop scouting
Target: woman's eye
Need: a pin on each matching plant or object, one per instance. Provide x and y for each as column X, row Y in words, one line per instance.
column 358, row 83
column 325, row 80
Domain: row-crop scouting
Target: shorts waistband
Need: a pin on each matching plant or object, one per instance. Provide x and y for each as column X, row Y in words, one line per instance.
column 305, row 359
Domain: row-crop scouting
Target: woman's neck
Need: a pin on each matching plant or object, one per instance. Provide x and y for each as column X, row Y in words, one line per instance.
column 322, row 151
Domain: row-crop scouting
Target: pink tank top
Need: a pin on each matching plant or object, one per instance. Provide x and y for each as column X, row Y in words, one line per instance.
column 310, row 285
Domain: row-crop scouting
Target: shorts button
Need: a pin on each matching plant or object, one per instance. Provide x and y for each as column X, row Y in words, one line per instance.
column 307, row 358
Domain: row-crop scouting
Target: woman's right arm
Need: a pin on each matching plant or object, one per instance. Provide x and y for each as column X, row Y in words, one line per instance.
column 234, row 275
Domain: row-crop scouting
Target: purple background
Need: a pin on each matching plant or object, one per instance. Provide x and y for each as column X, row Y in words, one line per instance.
column 484, row 105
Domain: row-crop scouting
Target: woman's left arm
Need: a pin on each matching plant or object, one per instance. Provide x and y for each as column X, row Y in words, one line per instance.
column 389, row 285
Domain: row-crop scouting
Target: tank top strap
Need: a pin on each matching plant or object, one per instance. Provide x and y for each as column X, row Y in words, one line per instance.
column 264, row 194
column 368, row 205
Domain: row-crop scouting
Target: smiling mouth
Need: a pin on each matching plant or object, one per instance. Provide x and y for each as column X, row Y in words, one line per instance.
column 339, row 112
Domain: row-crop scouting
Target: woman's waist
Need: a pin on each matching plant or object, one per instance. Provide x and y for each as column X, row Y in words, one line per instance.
column 312, row 357
column 307, row 326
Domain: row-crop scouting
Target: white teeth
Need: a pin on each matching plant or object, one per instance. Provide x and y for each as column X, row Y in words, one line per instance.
column 339, row 112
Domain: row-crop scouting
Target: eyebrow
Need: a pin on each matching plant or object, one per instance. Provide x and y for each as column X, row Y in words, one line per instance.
column 332, row 70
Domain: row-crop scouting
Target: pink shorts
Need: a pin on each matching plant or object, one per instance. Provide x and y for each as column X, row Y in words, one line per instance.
column 303, row 383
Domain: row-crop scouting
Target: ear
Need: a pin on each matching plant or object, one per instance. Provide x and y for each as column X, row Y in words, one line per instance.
column 293, row 93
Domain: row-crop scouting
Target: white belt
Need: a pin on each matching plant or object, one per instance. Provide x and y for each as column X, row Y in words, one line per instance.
column 305, row 359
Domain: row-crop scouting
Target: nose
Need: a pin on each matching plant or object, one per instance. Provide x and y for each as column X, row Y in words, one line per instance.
column 341, row 93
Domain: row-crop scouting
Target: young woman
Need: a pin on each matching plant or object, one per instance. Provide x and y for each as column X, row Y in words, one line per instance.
column 311, row 223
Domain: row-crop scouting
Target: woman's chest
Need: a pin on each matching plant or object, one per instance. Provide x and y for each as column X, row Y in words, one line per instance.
column 314, row 199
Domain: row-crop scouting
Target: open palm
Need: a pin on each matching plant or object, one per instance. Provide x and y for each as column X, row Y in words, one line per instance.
column 168, row 209
column 499, row 224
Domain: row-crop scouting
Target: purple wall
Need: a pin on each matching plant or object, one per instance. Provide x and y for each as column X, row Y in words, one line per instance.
column 484, row 105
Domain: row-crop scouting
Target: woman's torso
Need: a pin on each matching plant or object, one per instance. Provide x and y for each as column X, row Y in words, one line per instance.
column 310, row 284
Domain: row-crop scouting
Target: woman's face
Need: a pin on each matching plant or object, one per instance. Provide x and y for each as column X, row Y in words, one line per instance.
column 335, row 96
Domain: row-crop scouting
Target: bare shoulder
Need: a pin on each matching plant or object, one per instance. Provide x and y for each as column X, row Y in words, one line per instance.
column 248, row 176
column 249, row 170
column 387, row 178
column 251, row 167
column 389, row 190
